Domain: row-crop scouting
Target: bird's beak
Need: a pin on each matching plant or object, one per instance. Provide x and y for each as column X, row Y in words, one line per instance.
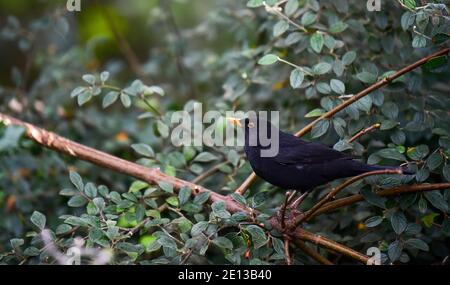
column 234, row 121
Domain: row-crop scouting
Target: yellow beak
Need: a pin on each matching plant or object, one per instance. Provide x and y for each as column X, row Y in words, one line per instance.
column 234, row 121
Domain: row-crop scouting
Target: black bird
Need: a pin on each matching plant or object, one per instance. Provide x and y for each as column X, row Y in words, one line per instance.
column 299, row 165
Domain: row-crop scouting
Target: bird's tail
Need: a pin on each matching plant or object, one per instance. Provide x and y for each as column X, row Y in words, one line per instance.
column 403, row 169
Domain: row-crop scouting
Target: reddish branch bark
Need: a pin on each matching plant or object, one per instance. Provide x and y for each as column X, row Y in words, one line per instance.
column 250, row 179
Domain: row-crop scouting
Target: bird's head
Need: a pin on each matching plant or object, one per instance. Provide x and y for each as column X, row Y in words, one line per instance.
column 256, row 129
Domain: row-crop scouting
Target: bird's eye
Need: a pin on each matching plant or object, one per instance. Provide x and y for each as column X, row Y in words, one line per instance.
column 250, row 125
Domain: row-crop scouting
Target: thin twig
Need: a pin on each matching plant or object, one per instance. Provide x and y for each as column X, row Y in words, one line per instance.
column 286, row 252
column 209, row 172
column 342, row 186
column 405, row 189
column 363, row 132
column 331, row 245
column 386, row 80
column 312, row 253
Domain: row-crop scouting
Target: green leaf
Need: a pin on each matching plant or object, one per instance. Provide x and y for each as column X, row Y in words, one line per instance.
column 11, row 137
column 125, row 99
column 373, row 221
column 437, row 200
column 62, row 229
column 239, row 198
column 278, row 246
column 32, row 251
column 76, row 180
column 316, row 41
column 296, row 78
column 205, row 157
column 320, row 128
column 143, row 149
column 419, row 41
column 388, row 124
column 436, row 62
column 366, row 77
column 137, row 186
column 258, row 236
column 89, row 78
column 268, row 59
column 163, row 129
column 290, row 7
column 308, row 18
column 315, row 113
column 77, row 201
column 165, row 186
column 338, row 27
column 201, row 198
column 184, row 195
column 255, row 3
column 219, row 210
column 198, row 228
column 280, row 27
column 373, row 198
column 417, row 243
column 391, row 153
column 395, row 250
column 321, row 68
column 173, row 201
column 349, row 57
column 418, row 152
column 99, row 203
column 77, row 91
column 90, row 190
column 411, row 4
column 407, row 20
column 16, row 243
column 223, row 242
column 428, row 220
column 104, row 76
column 398, row 222
column 110, row 98
column 38, row 219
column 446, row 172
column 84, row 98
column 337, row 86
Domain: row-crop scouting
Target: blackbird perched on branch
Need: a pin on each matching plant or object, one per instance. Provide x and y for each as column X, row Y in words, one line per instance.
column 299, row 165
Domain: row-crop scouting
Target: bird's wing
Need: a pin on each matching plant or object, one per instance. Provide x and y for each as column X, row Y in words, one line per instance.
column 297, row 151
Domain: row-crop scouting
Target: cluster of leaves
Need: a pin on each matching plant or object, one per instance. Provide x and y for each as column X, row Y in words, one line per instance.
column 301, row 57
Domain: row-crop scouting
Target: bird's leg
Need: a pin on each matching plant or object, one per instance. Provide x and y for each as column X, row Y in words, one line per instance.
column 282, row 210
column 294, row 205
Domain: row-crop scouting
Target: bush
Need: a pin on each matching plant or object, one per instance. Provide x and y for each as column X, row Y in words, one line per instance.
column 110, row 77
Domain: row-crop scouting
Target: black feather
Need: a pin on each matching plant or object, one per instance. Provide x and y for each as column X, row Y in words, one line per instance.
column 300, row 165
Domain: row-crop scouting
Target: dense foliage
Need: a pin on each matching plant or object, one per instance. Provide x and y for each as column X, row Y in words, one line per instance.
column 69, row 72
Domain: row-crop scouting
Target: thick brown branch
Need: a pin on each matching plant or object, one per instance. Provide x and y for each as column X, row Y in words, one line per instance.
column 102, row 159
column 332, row 194
column 330, row 206
column 242, row 188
